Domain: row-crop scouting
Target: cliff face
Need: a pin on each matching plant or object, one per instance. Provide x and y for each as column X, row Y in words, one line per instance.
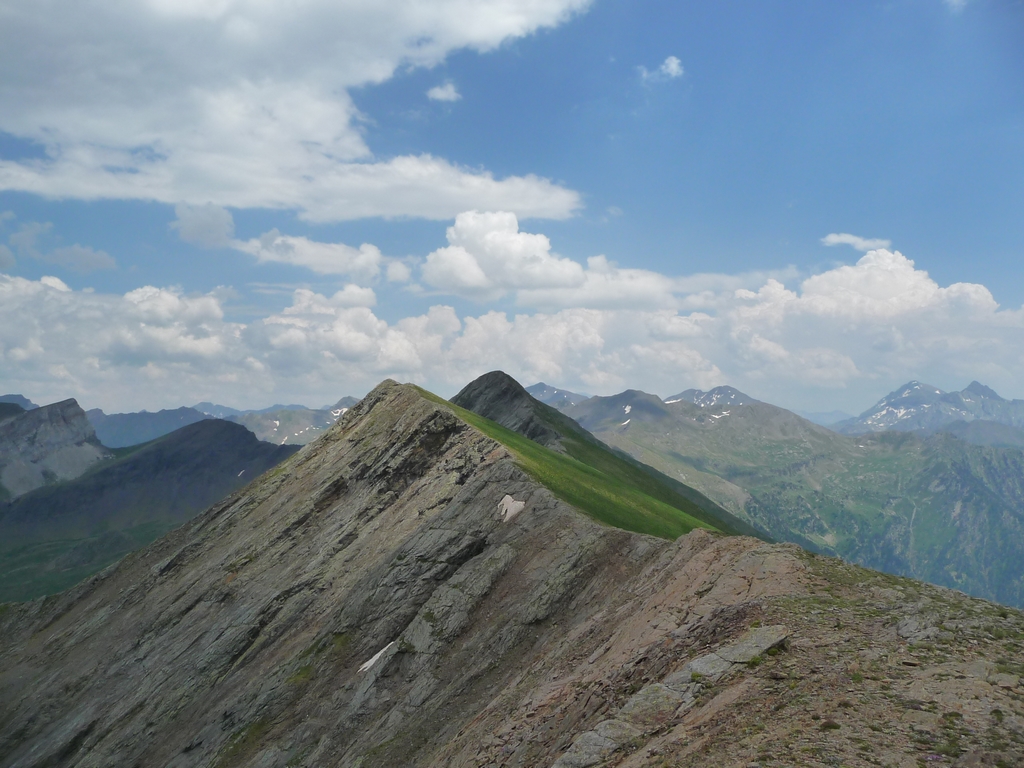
column 55, row 442
column 400, row 593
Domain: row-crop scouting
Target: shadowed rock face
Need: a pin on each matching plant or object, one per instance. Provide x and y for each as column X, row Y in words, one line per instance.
column 372, row 603
column 55, row 442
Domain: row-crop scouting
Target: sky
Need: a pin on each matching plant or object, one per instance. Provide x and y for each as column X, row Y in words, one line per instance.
column 250, row 202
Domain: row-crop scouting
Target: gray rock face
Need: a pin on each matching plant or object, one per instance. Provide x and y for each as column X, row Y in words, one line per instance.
column 244, row 637
column 55, row 442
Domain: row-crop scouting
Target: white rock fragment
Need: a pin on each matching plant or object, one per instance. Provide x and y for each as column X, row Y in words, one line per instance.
column 375, row 658
column 509, row 508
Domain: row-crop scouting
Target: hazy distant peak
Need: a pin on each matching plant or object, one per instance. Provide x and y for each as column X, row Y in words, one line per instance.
column 920, row 406
column 555, row 397
column 21, row 400
column 724, row 395
column 976, row 388
column 215, row 410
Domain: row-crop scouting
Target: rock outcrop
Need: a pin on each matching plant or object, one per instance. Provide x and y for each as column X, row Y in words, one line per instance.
column 384, row 600
column 55, row 442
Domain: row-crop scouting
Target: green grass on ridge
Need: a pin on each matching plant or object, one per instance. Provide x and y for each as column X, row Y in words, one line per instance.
column 604, row 492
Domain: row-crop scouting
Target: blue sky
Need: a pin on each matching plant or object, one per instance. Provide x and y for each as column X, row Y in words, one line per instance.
column 699, row 153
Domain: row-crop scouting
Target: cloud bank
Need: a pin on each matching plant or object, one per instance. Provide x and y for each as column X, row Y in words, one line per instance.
column 858, row 328
column 243, row 103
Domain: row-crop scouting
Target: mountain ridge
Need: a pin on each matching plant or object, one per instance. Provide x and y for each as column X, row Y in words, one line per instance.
column 924, row 407
column 379, row 601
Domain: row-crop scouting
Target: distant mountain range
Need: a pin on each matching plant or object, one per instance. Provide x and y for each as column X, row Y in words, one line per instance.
column 280, row 424
column 119, row 430
column 556, row 398
column 930, row 506
column 921, row 407
column 719, row 396
column 53, row 536
column 292, row 424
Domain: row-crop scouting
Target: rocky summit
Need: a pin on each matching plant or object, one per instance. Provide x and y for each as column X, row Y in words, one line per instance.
column 402, row 593
column 44, row 445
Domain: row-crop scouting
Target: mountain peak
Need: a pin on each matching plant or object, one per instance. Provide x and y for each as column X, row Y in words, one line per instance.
column 979, row 389
column 555, row 397
column 502, row 399
column 723, row 395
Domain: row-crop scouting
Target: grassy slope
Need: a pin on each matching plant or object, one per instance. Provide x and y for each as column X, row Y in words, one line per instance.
column 937, row 509
column 583, row 446
column 44, row 568
column 608, row 490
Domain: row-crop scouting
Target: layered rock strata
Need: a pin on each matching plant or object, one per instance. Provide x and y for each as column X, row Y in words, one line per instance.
column 55, row 442
column 376, row 602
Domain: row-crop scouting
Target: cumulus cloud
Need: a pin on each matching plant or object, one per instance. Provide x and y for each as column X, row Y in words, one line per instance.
column 670, row 69
column 860, row 243
column 362, row 263
column 487, row 256
column 244, row 103
column 446, row 92
column 398, row 272
column 861, row 328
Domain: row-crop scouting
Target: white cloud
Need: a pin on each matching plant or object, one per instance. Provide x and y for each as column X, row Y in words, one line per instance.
column 208, row 226
column 362, row 263
column 956, row 5
column 487, row 256
column 860, row 243
column 670, row 69
column 858, row 329
column 446, row 92
column 7, row 260
column 243, row 103
column 397, row 272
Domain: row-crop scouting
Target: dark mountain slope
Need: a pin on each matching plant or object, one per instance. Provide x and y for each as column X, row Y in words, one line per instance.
column 20, row 400
column 52, row 537
column 119, row 430
column 401, row 593
column 500, row 398
column 10, row 410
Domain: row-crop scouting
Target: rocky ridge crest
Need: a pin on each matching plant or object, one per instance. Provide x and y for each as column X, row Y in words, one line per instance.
column 379, row 601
